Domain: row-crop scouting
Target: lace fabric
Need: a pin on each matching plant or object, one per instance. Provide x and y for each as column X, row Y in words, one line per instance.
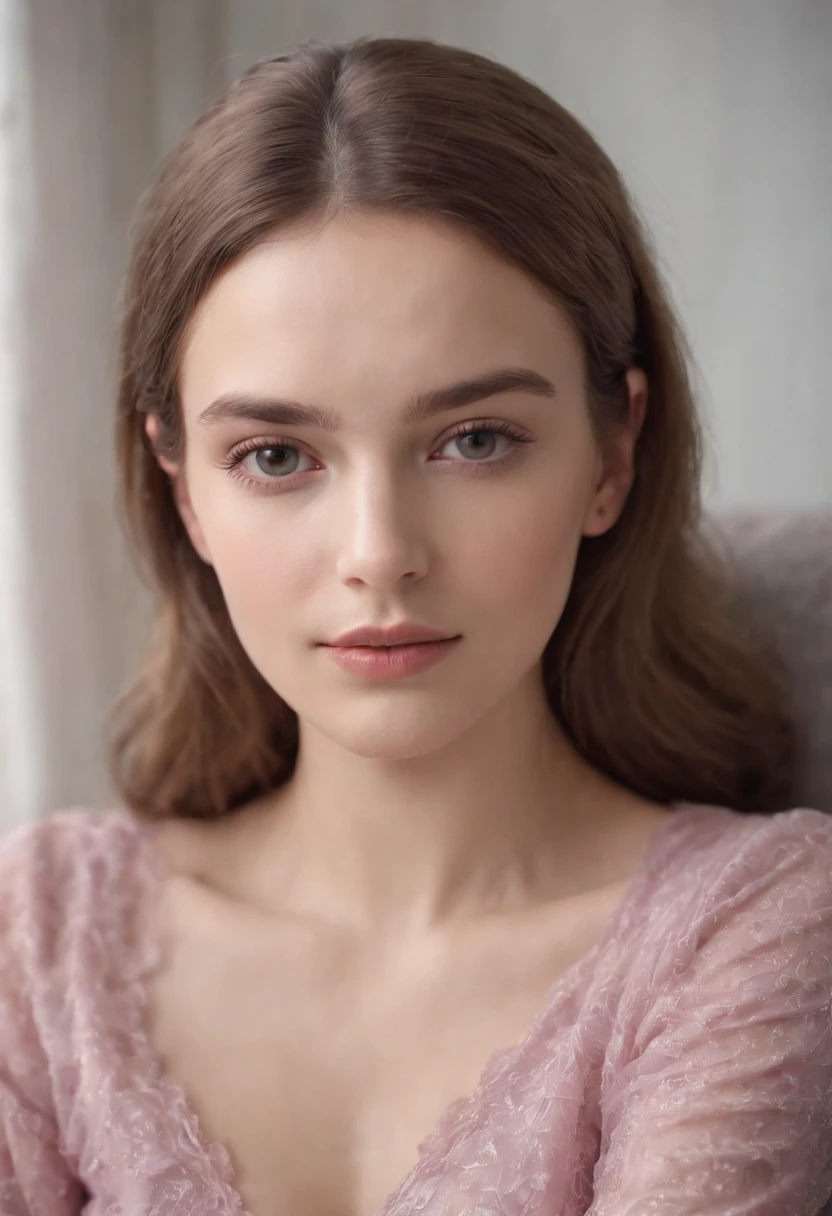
column 683, row 1065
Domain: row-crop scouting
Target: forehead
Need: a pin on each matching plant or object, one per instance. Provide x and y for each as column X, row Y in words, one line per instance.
column 392, row 303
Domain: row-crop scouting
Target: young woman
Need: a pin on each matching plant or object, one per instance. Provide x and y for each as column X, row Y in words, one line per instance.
column 457, row 870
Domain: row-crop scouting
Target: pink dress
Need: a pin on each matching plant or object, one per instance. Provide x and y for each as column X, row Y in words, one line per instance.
column 683, row 1065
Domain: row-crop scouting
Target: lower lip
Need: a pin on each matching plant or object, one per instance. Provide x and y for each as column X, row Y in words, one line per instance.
column 393, row 662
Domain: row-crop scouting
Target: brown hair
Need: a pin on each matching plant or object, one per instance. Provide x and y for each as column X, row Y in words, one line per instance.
column 647, row 670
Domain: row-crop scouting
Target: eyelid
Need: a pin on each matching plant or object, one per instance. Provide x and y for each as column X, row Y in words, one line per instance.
column 233, row 461
column 502, row 425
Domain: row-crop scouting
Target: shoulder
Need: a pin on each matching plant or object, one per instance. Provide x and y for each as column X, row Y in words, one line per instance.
column 60, row 829
column 69, row 885
column 753, row 894
column 731, row 1054
column 746, row 852
column 716, row 851
column 799, row 825
column 740, row 943
column 718, row 880
column 44, row 856
column 59, row 876
column 777, row 880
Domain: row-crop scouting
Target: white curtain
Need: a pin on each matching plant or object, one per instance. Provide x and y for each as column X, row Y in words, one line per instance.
column 718, row 114
column 92, row 91
column 19, row 727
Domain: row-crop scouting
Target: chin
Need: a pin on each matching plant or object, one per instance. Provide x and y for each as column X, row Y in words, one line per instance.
column 394, row 732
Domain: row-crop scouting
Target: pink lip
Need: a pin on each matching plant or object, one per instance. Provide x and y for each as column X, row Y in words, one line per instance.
column 391, row 662
column 394, row 635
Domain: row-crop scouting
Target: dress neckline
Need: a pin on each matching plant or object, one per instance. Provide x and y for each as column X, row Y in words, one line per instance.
column 458, row 1118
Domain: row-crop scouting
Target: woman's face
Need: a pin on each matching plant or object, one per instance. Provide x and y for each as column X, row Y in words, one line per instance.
column 388, row 514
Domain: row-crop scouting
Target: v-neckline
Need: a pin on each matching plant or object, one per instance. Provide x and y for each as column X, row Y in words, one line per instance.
column 213, row 1152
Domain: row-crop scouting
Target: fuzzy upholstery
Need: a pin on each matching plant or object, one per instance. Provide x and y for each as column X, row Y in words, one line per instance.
column 783, row 565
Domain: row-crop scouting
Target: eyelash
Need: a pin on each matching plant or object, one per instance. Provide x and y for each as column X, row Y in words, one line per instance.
column 233, row 462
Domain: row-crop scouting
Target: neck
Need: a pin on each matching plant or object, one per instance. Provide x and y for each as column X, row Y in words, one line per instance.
column 504, row 817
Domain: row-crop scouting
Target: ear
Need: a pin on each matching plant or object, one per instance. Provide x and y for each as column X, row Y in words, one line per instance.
column 616, row 464
column 181, row 495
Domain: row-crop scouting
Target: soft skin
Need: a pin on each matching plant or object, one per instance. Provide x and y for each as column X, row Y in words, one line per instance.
column 452, row 791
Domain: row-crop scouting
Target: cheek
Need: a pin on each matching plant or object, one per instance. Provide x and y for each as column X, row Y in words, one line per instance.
column 519, row 554
column 264, row 563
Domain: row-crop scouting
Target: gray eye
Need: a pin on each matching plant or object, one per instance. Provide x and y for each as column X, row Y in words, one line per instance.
column 276, row 460
column 476, row 445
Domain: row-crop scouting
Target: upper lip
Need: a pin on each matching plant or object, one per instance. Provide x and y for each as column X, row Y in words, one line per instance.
column 393, row 635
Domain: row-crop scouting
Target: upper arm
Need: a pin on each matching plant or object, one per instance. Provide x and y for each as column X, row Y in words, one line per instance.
column 726, row 1107
column 34, row 1177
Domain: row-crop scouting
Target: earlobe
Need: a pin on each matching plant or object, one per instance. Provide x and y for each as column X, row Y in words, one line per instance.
column 599, row 520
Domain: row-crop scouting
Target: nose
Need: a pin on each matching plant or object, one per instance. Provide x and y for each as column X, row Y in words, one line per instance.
column 380, row 532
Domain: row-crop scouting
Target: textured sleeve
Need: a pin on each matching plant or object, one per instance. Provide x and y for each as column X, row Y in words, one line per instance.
column 34, row 1178
column 725, row 1105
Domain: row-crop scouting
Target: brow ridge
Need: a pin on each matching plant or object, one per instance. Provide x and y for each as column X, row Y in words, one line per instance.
column 424, row 405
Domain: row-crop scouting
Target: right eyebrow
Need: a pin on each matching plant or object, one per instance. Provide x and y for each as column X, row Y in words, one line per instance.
column 424, row 405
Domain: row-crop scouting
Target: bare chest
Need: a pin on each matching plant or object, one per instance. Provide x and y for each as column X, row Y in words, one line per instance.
column 322, row 1070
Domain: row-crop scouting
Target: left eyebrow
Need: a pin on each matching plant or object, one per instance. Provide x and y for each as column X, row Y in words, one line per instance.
column 424, row 405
